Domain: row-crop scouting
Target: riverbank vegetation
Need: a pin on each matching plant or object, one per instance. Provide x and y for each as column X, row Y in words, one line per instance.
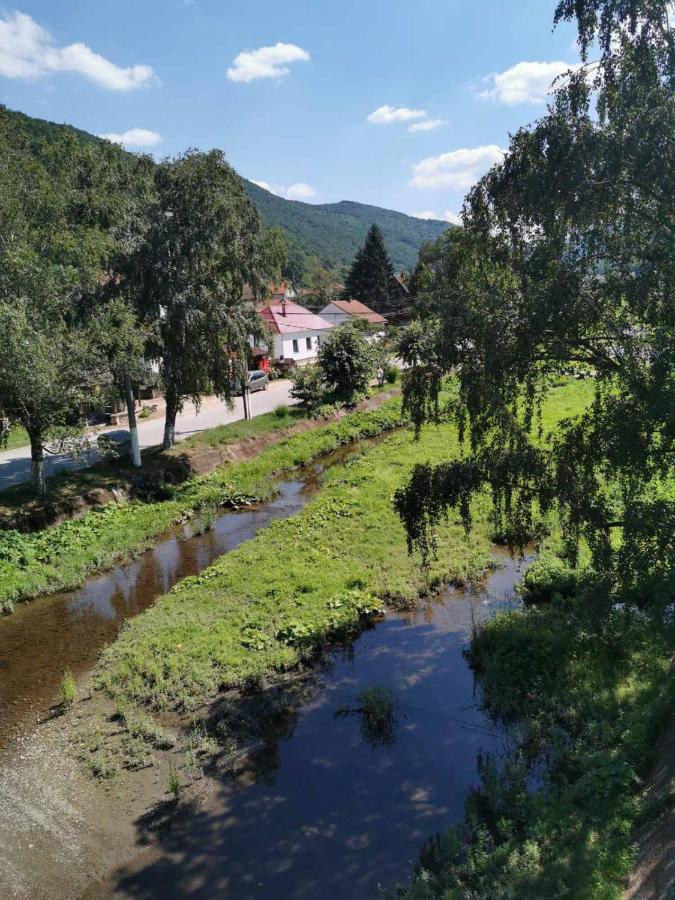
column 275, row 599
column 565, row 259
column 63, row 556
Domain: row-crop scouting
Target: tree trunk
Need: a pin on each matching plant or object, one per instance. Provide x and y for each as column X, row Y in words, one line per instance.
column 37, row 464
column 170, row 420
column 133, row 427
column 246, row 399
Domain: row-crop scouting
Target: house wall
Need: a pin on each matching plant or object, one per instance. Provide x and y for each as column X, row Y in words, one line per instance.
column 334, row 314
column 283, row 345
column 337, row 316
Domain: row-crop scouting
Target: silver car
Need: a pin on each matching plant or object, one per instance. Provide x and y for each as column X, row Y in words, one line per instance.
column 258, row 381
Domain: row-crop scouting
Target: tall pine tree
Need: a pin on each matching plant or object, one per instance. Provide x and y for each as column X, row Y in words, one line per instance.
column 371, row 276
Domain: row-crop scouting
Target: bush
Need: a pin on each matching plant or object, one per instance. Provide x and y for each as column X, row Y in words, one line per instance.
column 68, row 689
column 346, row 362
column 309, row 386
column 548, row 578
column 392, row 375
column 281, row 411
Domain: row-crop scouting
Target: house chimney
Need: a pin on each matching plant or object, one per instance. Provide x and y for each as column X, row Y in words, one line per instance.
column 283, row 307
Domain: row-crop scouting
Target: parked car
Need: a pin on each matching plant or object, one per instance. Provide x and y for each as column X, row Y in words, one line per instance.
column 257, row 381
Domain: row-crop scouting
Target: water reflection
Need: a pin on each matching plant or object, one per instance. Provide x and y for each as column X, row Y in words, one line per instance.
column 67, row 631
column 321, row 811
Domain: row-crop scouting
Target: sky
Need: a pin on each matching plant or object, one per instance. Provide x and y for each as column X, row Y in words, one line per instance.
column 390, row 102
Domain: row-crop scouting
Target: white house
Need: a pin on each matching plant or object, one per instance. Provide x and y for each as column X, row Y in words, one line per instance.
column 296, row 332
column 339, row 311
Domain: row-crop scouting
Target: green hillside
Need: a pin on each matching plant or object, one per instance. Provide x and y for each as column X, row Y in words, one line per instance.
column 333, row 232
column 329, row 234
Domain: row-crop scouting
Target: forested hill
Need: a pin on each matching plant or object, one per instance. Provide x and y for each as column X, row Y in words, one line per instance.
column 333, row 232
column 327, row 233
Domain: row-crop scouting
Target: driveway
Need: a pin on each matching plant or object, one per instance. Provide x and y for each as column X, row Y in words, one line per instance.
column 15, row 464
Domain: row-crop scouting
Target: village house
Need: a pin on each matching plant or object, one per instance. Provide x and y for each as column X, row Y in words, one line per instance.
column 339, row 311
column 296, row 332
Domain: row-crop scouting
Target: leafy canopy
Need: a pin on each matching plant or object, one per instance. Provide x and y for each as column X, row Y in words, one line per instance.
column 566, row 261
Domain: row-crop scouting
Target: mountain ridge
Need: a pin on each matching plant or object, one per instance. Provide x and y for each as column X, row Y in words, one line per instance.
column 325, row 234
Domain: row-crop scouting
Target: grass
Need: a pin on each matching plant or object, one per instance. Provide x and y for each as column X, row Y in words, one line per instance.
column 68, row 689
column 270, row 602
column 557, row 818
column 63, row 556
column 273, row 600
column 17, row 437
column 222, row 435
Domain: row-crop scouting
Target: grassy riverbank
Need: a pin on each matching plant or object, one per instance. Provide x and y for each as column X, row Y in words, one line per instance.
column 266, row 604
column 271, row 601
column 63, row 556
column 590, row 698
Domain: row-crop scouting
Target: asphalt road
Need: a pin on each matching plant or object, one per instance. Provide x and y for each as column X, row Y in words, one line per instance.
column 15, row 464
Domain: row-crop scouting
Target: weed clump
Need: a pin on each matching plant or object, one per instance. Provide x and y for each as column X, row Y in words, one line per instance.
column 68, row 689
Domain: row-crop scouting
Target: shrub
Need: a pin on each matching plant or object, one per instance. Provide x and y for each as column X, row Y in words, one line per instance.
column 392, row 375
column 68, row 689
column 548, row 578
column 309, row 386
column 281, row 411
column 346, row 362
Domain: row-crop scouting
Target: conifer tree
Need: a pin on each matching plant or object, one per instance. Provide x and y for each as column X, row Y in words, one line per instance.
column 371, row 276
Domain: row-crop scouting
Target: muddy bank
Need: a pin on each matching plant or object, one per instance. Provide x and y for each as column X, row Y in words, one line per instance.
column 321, row 806
column 120, row 482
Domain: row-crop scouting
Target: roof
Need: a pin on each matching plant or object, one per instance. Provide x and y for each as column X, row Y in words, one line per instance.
column 360, row 310
column 296, row 318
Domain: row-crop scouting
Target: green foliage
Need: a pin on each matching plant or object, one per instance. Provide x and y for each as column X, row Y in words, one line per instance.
column 566, row 259
column 174, row 785
column 345, row 361
column 247, row 616
column 371, row 276
column 204, row 243
column 391, row 375
column 281, row 411
column 329, row 235
column 63, row 556
column 68, row 689
column 309, row 386
column 589, row 701
column 549, row 578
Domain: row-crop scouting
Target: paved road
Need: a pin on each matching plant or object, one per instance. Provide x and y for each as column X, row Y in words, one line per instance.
column 15, row 464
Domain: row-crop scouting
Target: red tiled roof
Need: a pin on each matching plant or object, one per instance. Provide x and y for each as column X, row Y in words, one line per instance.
column 360, row 310
column 297, row 318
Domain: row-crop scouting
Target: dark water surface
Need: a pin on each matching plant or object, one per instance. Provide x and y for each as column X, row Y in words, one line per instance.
column 324, row 811
column 66, row 631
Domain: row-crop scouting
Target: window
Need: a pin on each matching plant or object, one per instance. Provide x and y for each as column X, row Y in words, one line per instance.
column 308, row 342
column 295, row 345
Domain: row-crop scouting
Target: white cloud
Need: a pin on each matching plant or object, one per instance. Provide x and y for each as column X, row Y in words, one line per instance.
column 266, row 62
column 300, row 191
column 385, row 115
column 447, row 216
column 526, row 82
column 134, row 137
column 27, row 51
column 459, row 169
column 297, row 191
column 426, row 125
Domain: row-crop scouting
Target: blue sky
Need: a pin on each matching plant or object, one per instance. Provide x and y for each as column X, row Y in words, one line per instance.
column 296, row 116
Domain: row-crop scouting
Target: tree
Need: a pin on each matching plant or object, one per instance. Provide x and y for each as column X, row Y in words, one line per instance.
column 346, row 362
column 204, row 243
column 371, row 276
column 567, row 259
column 56, row 205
